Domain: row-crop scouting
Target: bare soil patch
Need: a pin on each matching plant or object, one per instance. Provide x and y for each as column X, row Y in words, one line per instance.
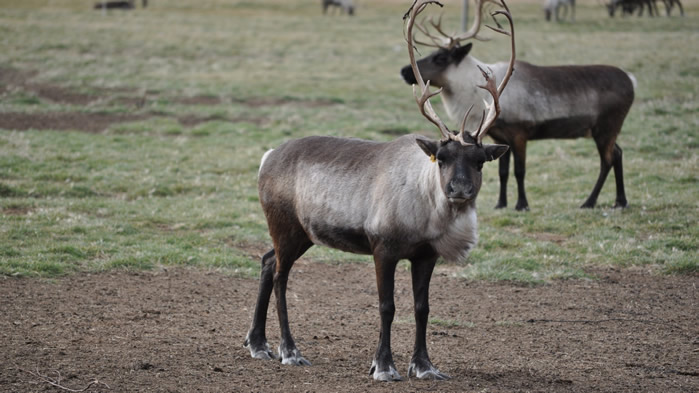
column 78, row 121
column 182, row 330
column 11, row 79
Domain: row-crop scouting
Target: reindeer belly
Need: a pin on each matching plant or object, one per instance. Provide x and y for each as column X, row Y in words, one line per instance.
column 564, row 128
column 568, row 127
column 345, row 238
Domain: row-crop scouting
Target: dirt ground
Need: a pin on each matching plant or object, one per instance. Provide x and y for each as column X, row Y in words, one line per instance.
column 183, row 330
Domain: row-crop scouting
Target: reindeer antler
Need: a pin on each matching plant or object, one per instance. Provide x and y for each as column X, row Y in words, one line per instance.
column 448, row 41
column 493, row 109
column 423, row 100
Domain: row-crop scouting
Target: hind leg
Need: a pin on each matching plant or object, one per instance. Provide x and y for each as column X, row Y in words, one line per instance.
column 606, row 153
column 256, row 341
column 619, row 177
column 289, row 245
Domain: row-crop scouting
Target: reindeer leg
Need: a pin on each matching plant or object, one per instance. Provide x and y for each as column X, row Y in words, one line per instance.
column 519, row 151
column 503, row 171
column 290, row 243
column 290, row 247
column 420, row 364
column 619, row 177
column 382, row 367
column 605, row 154
column 256, row 340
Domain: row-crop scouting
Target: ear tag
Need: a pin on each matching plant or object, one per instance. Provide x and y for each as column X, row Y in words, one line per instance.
column 433, row 158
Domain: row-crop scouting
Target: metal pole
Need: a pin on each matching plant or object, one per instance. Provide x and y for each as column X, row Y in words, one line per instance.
column 464, row 16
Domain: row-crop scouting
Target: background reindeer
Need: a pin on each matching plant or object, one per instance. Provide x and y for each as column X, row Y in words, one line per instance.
column 412, row 198
column 541, row 102
column 554, row 6
column 343, row 5
column 628, row 7
column 124, row 5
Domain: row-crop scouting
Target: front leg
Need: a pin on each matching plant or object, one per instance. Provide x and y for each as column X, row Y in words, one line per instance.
column 382, row 367
column 420, row 364
column 504, row 172
column 519, row 152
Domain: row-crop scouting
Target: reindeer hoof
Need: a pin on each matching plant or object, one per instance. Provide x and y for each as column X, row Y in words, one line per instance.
column 389, row 375
column 621, row 204
column 293, row 358
column 426, row 372
column 260, row 351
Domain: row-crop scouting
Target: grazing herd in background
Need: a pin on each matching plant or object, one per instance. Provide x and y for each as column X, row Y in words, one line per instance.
column 628, row 7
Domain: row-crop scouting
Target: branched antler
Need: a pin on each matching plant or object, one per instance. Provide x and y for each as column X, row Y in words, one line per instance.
column 448, row 41
column 493, row 109
column 423, row 99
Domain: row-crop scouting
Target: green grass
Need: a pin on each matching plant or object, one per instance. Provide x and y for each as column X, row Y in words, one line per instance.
column 153, row 192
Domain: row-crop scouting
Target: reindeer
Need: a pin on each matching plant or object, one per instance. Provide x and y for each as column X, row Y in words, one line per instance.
column 553, row 6
column 628, row 7
column 124, row 5
column 412, row 198
column 343, row 5
column 669, row 4
column 541, row 102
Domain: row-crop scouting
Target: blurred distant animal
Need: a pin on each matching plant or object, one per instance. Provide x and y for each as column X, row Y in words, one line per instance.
column 669, row 4
column 124, row 5
column 553, row 6
column 628, row 7
column 343, row 5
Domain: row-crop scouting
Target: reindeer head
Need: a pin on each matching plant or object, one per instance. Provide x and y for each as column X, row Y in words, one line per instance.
column 433, row 67
column 451, row 49
column 459, row 155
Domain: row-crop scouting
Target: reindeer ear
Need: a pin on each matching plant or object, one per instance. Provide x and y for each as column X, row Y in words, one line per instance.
column 430, row 147
column 460, row 52
column 493, row 152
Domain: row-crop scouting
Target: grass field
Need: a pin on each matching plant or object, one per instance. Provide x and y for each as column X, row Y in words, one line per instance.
column 194, row 92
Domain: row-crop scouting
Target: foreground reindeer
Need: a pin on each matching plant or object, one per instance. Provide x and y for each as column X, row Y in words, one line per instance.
column 412, row 198
column 540, row 102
